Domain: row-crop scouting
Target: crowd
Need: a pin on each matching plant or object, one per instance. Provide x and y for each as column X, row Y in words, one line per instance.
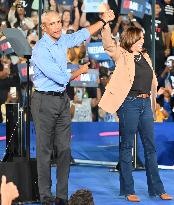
column 23, row 14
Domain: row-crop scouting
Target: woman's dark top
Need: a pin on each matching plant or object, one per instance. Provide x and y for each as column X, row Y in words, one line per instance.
column 143, row 77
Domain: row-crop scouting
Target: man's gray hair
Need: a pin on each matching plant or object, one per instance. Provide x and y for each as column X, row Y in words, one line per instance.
column 46, row 14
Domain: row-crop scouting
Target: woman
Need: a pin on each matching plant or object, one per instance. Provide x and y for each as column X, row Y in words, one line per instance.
column 130, row 92
column 17, row 18
column 66, row 19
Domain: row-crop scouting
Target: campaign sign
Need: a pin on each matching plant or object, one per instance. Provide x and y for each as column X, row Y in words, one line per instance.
column 93, row 6
column 148, row 9
column 5, row 47
column 89, row 79
column 108, row 64
column 96, row 51
column 22, row 70
column 65, row 2
column 137, row 7
column 72, row 67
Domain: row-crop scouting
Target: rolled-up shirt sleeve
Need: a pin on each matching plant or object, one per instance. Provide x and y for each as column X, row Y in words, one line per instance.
column 75, row 39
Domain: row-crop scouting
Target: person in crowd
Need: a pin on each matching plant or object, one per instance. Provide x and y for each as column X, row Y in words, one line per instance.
column 8, row 78
column 81, row 197
column 8, row 191
column 172, row 42
column 130, row 91
column 35, row 19
column 81, row 107
column 66, row 19
column 32, row 37
column 162, row 40
column 17, row 17
column 50, row 105
column 166, row 102
column 168, row 8
column 169, row 72
column 123, row 22
column 12, row 97
column 3, row 25
column 161, row 114
column 76, row 54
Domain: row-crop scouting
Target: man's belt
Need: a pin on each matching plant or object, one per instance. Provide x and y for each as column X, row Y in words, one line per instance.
column 53, row 93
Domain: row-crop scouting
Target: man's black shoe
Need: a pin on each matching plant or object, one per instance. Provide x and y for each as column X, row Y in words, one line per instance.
column 48, row 200
column 59, row 201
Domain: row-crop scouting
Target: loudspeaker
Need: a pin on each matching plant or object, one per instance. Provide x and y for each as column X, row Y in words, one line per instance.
column 15, row 141
column 23, row 173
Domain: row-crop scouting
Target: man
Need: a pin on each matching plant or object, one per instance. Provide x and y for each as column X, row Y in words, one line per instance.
column 50, row 105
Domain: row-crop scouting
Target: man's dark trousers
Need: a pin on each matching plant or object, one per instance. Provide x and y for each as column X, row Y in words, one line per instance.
column 52, row 120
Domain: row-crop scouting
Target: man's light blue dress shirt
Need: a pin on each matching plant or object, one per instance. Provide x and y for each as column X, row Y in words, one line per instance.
column 49, row 60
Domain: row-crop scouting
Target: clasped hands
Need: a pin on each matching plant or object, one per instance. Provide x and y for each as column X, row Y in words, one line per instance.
column 108, row 14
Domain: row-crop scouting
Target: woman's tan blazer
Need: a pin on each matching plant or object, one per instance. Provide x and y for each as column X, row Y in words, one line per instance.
column 123, row 76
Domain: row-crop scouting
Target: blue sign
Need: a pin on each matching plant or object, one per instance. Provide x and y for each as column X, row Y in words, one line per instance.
column 137, row 7
column 89, row 79
column 96, row 51
column 148, row 9
column 91, row 6
column 108, row 64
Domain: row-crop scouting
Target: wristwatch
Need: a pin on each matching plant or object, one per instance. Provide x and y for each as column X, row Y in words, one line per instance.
column 103, row 22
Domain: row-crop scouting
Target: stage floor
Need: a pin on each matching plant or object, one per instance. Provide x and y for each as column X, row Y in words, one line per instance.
column 105, row 185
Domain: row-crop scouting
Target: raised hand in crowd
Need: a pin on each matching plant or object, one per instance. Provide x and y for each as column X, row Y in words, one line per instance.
column 9, row 191
column 15, row 3
column 108, row 14
column 161, row 91
column 83, row 69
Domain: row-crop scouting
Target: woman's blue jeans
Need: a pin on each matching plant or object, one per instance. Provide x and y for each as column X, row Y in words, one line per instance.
column 135, row 114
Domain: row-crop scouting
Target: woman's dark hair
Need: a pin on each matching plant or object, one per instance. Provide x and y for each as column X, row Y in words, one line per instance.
column 129, row 37
column 69, row 11
column 17, row 23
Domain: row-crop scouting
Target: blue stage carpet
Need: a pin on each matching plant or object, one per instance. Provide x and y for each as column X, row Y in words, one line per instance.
column 105, row 185
column 88, row 143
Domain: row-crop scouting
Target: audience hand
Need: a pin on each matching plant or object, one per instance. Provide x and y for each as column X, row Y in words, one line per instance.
column 9, row 192
column 161, row 91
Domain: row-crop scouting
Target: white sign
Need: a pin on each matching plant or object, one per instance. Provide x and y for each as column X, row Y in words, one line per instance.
column 93, row 6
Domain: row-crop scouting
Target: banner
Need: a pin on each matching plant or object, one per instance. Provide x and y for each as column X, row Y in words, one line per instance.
column 89, row 79
column 93, row 6
column 137, row 7
column 96, row 51
column 108, row 64
column 148, row 9
column 22, row 70
column 5, row 47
